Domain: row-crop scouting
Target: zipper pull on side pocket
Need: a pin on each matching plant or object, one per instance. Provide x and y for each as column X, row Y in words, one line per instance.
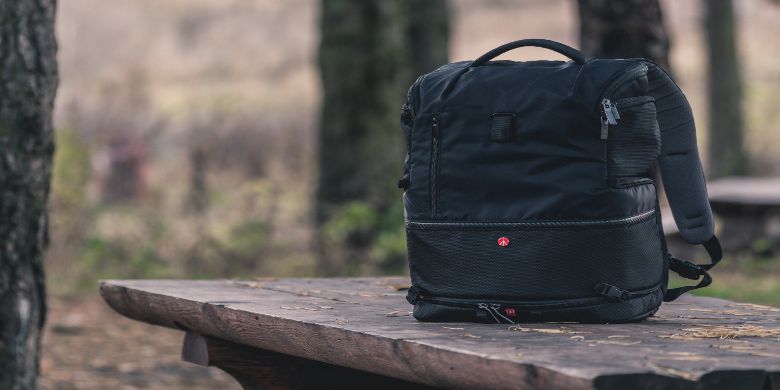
column 610, row 111
column 615, row 111
column 610, row 116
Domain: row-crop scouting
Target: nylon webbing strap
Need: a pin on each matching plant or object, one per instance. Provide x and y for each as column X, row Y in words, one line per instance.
column 692, row 271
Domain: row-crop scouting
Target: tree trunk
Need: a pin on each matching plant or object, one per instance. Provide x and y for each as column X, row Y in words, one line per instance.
column 726, row 151
column 623, row 29
column 198, row 196
column 427, row 36
column 359, row 65
column 28, row 82
column 369, row 53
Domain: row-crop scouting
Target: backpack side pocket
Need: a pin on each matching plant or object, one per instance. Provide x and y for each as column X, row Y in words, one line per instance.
column 635, row 142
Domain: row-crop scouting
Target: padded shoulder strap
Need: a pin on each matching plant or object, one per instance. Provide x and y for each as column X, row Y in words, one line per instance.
column 681, row 169
column 683, row 176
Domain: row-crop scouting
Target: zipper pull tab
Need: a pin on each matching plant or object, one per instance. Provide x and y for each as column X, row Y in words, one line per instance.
column 615, row 112
column 604, row 128
column 485, row 307
column 435, row 126
column 497, row 309
column 611, row 112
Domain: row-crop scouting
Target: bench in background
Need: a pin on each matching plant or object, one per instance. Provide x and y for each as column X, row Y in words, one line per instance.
column 748, row 208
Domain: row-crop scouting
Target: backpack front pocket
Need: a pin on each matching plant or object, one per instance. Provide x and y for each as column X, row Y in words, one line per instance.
column 535, row 259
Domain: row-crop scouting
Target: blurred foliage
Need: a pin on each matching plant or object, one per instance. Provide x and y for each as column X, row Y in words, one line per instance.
column 122, row 244
column 70, row 176
column 379, row 234
column 101, row 259
column 251, row 209
column 755, row 280
column 245, row 239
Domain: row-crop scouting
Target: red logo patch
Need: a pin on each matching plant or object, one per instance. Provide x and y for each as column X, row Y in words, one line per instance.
column 510, row 311
column 503, row 241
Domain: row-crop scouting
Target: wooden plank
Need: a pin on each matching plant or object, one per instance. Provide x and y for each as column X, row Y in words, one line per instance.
column 256, row 368
column 365, row 324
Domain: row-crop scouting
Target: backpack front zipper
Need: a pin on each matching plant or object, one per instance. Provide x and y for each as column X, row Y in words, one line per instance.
column 434, row 168
column 493, row 307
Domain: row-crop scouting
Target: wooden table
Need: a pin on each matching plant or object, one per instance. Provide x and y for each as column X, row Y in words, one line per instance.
column 358, row 333
column 748, row 207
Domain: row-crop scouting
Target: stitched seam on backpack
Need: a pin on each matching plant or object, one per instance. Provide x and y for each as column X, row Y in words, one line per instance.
column 618, row 221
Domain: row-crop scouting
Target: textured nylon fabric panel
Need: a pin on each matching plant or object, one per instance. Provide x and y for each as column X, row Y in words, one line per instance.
column 538, row 263
column 634, row 144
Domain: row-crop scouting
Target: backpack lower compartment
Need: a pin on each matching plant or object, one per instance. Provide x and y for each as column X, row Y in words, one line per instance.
column 608, row 270
column 595, row 311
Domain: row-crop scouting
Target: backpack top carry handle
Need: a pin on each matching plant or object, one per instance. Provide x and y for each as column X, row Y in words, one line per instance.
column 567, row 51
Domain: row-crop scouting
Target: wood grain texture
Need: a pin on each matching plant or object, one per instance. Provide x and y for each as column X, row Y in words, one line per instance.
column 365, row 324
column 256, row 368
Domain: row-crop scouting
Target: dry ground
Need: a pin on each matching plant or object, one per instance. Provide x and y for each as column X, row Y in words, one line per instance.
column 88, row 346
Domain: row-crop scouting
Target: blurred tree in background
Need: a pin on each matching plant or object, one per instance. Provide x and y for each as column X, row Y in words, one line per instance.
column 635, row 28
column 624, row 29
column 370, row 52
column 28, row 83
column 427, row 29
column 727, row 154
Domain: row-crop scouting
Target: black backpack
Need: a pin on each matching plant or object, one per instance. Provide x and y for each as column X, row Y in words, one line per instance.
column 529, row 189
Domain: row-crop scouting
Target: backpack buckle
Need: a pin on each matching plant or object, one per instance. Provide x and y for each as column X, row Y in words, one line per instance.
column 612, row 292
column 413, row 295
column 403, row 183
column 685, row 268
